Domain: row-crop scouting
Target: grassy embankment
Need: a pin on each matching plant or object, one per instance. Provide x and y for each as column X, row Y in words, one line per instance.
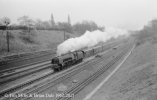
column 137, row 77
column 36, row 40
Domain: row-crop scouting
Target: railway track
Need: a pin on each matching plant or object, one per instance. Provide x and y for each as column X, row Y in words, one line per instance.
column 38, row 88
column 23, row 56
column 46, row 84
column 24, row 72
column 52, row 81
column 26, row 61
column 39, row 57
column 41, row 83
column 77, row 88
column 18, row 72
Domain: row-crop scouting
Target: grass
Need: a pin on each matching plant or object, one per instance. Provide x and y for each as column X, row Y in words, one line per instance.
column 36, row 40
column 137, row 77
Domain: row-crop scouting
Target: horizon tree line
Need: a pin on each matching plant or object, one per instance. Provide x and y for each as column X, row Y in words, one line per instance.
column 27, row 23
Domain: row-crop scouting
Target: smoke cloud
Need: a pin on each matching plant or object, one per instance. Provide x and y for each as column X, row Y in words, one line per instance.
column 89, row 39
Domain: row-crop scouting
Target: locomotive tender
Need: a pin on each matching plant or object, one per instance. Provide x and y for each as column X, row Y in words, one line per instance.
column 66, row 60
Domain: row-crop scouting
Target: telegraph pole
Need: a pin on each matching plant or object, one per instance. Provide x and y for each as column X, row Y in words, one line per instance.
column 64, row 35
column 6, row 22
column 7, row 38
column 5, row 28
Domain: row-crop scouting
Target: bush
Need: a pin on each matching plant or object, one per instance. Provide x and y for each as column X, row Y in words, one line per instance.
column 67, row 27
column 86, row 26
column 148, row 33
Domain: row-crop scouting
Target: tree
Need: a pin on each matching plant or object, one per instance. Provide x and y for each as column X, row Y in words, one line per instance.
column 26, row 21
column 39, row 24
column 86, row 26
column 46, row 24
column 148, row 32
column 5, row 21
column 66, row 26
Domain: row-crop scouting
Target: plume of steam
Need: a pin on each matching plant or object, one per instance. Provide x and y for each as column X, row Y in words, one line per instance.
column 89, row 39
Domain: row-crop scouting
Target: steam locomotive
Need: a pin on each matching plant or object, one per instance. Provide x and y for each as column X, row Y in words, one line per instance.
column 69, row 59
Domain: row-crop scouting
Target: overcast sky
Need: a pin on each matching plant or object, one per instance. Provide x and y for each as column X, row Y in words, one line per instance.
column 126, row 14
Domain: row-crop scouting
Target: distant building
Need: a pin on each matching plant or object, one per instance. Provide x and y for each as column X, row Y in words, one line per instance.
column 69, row 21
column 52, row 20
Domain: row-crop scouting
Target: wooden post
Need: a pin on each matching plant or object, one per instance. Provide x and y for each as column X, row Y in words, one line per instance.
column 64, row 35
column 8, row 49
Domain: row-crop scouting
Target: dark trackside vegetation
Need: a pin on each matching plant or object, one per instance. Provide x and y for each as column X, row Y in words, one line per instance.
column 148, row 33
